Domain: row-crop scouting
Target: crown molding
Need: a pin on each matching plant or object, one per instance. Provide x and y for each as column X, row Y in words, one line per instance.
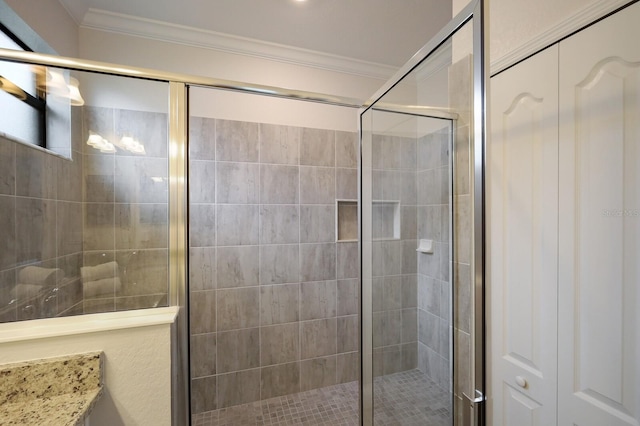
column 102, row 20
column 552, row 35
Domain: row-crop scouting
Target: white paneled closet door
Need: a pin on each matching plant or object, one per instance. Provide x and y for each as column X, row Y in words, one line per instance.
column 599, row 297
column 523, row 241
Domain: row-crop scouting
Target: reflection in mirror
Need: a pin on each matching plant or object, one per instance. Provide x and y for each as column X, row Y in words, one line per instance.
column 87, row 231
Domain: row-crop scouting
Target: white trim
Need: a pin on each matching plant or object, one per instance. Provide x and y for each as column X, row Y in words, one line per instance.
column 552, row 35
column 82, row 324
column 103, row 20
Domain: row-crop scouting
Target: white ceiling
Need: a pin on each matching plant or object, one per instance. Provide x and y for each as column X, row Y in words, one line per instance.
column 385, row 32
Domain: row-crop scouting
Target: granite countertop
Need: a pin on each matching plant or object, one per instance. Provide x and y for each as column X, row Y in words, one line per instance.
column 57, row 391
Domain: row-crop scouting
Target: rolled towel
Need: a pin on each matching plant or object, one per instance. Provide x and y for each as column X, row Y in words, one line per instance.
column 24, row 292
column 99, row 272
column 40, row 276
column 100, row 288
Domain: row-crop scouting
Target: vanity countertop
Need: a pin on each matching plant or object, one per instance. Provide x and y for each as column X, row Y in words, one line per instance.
column 56, row 391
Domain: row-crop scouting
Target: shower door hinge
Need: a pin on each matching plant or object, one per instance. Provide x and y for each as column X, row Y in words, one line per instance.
column 473, row 409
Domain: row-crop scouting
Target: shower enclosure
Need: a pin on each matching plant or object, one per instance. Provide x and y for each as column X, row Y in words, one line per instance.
column 319, row 278
column 422, row 139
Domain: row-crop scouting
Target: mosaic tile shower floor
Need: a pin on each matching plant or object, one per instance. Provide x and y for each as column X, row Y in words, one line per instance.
column 402, row 399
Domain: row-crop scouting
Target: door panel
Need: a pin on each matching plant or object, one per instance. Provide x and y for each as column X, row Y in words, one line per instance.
column 523, row 175
column 519, row 409
column 599, row 322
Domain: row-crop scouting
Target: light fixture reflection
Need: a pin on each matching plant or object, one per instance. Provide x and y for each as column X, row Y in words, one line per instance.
column 74, row 92
column 53, row 82
column 127, row 143
column 101, row 144
column 132, row 145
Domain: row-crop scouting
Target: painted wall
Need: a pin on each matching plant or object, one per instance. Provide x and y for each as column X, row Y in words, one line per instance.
column 137, row 374
column 148, row 53
column 51, row 21
column 516, row 23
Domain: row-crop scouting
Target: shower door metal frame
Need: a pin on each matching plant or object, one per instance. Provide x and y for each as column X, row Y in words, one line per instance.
column 477, row 12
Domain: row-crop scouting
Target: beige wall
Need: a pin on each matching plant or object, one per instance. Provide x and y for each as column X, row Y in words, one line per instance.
column 516, row 25
column 51, row 21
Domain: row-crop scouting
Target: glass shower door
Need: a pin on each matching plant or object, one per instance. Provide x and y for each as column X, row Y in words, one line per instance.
column 421, row 236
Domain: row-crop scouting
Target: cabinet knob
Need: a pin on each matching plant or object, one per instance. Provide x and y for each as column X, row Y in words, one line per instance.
column 521, row 381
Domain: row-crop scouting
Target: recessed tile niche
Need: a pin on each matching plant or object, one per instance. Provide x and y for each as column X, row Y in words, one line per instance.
column 347, row 220
column 386, row 220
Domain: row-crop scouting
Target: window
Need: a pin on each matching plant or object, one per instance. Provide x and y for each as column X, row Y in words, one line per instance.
column 22, row 99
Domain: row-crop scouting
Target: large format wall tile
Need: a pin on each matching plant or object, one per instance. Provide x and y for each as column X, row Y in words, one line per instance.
column 347, row 184
column 317, row 373
column 317, row 262
column 202, row 138
column 317, row 300
column 203, row 394
column 317, row 147
column 143, row 272
column 279, row 144
column 279, row 264
column 346, row 149
column 7, row 167
column 317, row 223
column 237, row 266
column 348, row 335
column 238, row 308
column 348, row 297
column 36, row 173
column 317, row 338
column 69, row 232
column 278, row 184
column 203, row 355
column 280, row 380
column 237, row 141
column 8, row 225
column 238, row 350
column 202, row 225
column 237, row 225
column 264, row 253
column 279, row 224
column 237, row 388
column 70, row 178
column 347, row 367
column 149, row 128
column 202, row 181
column 144, row 180
column 35, row 229
column 202, row 268
column 279, row 304
column 317, row 185
column 141, row 226
column 237, row 183
column 99, row 179
column 279, row 344
column 203, row 312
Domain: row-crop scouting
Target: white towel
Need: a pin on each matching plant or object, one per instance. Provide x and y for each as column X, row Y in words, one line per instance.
column 40, row 276
column 100, row 288
column 24, row 292
column 99, row 272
